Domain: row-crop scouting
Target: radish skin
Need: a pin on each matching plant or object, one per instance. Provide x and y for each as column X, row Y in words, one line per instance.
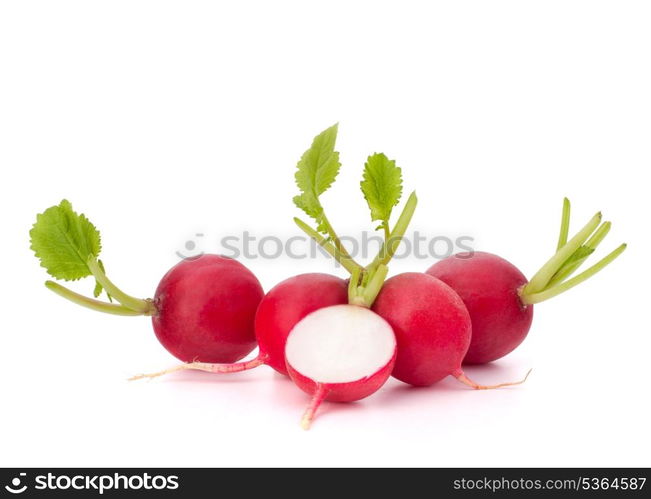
column 289, row 302
column 205, row 310
column 432, row 328
column 279, row 311
column 488, row 286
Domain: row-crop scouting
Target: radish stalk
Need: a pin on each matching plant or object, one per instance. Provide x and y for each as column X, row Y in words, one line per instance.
column 334, row 237
column 382, row 189
column 353, row 286
column 565, row 224
column 84, row 301
column 372, row 289
column 145, row 307
column 574, row 281
column 552, row 279
column 591, row 244
column 392, row 242
column 547, row 271
column 346, row 261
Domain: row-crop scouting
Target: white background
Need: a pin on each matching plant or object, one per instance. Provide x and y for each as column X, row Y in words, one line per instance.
column 163, row 119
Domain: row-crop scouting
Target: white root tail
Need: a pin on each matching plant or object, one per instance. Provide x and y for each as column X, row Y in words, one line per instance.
column 317, row 399
column 461, row 376
column 205, row 366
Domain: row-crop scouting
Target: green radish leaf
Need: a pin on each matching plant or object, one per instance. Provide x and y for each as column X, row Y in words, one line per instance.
column 64, row 241
column 316, row 171
column 381, row 186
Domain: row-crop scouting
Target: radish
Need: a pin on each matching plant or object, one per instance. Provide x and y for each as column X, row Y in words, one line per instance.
column 203, row 308
column 341, row 353
column 432, row 328
column 346, row 352
column 498, row 296
column 292, row 300
column 430, row 322
column 279, row 311
column 488, row 286
column 289, row 302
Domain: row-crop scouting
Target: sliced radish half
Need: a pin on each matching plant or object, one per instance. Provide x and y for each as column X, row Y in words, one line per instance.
column 340, row 353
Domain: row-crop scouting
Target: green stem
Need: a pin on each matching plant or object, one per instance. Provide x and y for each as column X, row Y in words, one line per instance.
column 387, row 232
column 540, row 280
column 353, row 285
column 599, row 235
column 144, row 307
column 335, row 238
column 531, row 298
column 375, row 285
column 84, row 301
column 565, row 224
column 591, row 244
column 390, row 246
column 348, row 263
column 365, row 278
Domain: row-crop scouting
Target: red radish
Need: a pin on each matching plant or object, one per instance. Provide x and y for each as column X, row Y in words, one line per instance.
column 203, row 309
column 346, row 352
column 340, row 353
column 279, row 311
column 500, row 299
column 432, row 328
column 430, row 321
column 289, row 302
column 488, row 286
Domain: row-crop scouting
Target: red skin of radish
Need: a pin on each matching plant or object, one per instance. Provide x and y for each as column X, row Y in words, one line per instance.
column 206, row 308
column 431, row 324
column 488, row 286
column 286, row 304
column 277, row 314
column 344, row 392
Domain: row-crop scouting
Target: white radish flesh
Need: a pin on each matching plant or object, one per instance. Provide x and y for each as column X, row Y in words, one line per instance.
column 340, row 353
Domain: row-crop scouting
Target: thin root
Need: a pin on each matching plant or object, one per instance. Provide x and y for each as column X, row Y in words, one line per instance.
column 317, row 398
column 208, row 367
column 461, row 376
